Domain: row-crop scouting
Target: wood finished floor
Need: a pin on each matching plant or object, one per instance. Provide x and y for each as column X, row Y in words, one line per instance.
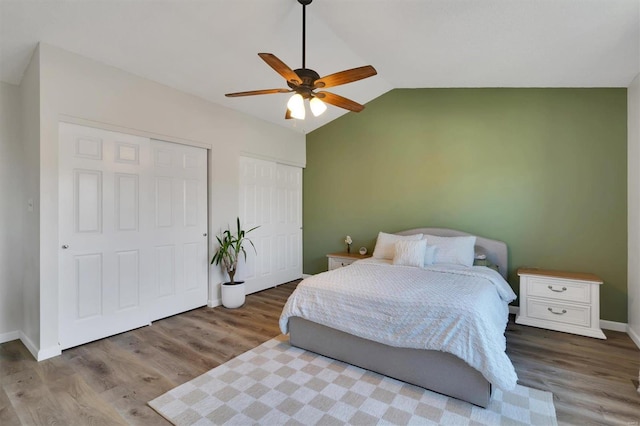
column 109, row 382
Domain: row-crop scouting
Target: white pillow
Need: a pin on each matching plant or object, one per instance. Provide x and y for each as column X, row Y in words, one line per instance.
column 385, row 244
column 410, row 253
column 453, row 250
column 430, row 255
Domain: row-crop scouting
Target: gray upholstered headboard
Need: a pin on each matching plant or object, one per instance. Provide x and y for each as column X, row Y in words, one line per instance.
column 496, row 250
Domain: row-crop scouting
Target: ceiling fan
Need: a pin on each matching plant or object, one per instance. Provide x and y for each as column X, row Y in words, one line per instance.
column 305, row 81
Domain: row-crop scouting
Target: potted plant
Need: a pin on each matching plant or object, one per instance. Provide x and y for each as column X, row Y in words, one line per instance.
column 231, row 246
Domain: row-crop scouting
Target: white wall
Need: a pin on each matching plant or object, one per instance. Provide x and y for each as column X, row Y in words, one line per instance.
column 74, row 88
column 30, row 103
column 10, row 213
column 633, row 205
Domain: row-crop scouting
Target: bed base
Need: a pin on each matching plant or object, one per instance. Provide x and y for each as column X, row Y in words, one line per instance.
column 433, row 370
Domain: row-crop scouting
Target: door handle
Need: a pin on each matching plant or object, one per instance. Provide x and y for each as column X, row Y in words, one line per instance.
column 65, row 246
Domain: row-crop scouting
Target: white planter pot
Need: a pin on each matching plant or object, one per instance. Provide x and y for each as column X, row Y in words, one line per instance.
column 233, row 295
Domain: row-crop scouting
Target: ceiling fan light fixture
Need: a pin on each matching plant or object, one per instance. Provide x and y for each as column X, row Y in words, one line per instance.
column 296, row 106
column 317, row 106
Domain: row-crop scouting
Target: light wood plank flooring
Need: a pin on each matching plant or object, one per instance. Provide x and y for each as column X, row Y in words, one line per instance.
column 109, row 382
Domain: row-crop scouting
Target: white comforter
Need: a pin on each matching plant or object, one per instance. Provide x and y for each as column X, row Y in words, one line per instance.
column 462, row 311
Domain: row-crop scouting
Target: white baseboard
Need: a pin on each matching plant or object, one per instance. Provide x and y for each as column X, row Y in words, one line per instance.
column 49, row 352
column 213, row 303
column 39, row 354
column 29, row 345
column 514, row 310
column 634, row 336
column 613, row 326
column 7, row 337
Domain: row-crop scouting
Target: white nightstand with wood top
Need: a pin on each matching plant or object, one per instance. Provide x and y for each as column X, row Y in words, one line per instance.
column 561, row 301
column 338, row 260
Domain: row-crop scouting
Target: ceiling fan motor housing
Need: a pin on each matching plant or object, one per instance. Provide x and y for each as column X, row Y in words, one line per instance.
column 308, row 77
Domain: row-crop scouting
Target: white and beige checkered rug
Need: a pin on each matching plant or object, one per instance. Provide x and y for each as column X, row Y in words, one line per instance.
column 277, row 384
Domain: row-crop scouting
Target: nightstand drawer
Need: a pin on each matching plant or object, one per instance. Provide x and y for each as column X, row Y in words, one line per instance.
column 550, row 288
column 338, row 260
column 335, row 263
column 559, row 313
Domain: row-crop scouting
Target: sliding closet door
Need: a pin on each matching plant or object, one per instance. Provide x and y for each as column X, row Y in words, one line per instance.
column 104, row 237
column 132, row 218
column 271, row 198
column 179, row 273
column 288, row 265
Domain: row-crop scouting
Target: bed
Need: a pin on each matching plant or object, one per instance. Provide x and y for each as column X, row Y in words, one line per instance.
column 447, row 336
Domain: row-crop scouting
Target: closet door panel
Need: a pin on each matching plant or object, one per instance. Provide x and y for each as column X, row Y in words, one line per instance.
column 179, row 233
column 100, row 239
column 271, row 197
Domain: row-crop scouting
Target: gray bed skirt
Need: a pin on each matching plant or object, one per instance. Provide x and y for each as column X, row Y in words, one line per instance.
column 437, row 371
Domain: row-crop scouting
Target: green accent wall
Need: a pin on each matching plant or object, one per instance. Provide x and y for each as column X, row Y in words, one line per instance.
column 544, row 170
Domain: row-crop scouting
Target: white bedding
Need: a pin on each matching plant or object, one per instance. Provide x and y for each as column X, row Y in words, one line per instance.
column 459, row 310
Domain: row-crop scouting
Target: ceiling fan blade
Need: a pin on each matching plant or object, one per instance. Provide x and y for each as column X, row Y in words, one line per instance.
column 344, row 77
column 339, row 101
column 280, row 67
column 258, row 92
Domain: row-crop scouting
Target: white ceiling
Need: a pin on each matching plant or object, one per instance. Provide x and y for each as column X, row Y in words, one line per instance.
column 209, row 48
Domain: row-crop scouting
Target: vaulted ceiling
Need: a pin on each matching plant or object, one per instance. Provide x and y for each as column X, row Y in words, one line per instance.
column 209, row 47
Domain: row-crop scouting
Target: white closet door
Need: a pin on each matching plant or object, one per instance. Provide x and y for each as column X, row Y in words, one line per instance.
column 271, row 197
column 257, row 196
column 103, row 233
column 288, row 263
column 179, row 274
column 130, row 252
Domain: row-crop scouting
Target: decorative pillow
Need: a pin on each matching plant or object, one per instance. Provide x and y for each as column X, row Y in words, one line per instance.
column 430, row 255
column 410, row 253
column 385, row 245
column 453, row 250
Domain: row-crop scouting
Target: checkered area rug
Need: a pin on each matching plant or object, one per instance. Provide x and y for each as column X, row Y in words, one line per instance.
column 277, row 384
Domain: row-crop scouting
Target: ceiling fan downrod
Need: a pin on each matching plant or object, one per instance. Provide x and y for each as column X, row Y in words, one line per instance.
column 304, row 4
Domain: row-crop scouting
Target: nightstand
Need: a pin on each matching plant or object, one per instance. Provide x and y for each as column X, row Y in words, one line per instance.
column 338, row 260
column 561, row 301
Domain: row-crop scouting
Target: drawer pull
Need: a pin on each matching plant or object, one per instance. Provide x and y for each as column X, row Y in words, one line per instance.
column 564, row 311
column 557, row 291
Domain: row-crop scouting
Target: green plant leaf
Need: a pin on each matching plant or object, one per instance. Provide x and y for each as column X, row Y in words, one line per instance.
column 229, row 248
